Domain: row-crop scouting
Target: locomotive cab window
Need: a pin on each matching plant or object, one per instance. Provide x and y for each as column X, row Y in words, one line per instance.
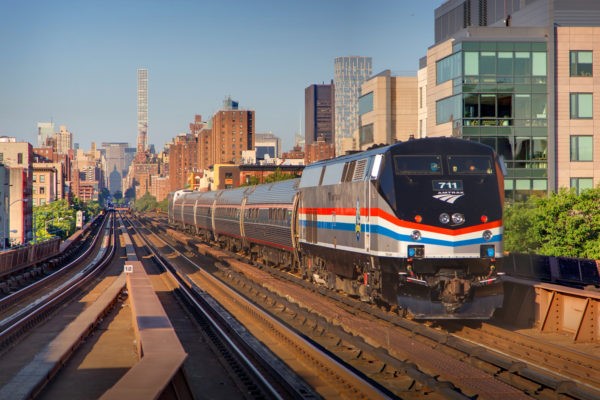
column 477, row 165
column 333, row 174
column 418, row 165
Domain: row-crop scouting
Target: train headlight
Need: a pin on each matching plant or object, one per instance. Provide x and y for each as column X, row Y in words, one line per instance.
column 487, row 251
column 458, row 219
column 444, row 218
column 415, row 235
column 487, row 235
column 416, row 251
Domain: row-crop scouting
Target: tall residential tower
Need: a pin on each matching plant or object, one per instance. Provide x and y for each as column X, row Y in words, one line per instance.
column 349, row 74
column 142, row 102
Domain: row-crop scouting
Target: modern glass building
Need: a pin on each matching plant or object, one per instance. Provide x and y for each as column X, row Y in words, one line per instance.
column 519, row 76
column 319, row 113
column 349, row 74
column 499, row 97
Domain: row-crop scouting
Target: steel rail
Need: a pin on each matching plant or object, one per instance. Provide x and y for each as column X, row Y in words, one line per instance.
column 280, row 370
column 16, row 324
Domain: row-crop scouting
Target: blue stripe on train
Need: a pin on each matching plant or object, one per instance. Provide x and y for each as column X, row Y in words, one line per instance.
column 379, row 230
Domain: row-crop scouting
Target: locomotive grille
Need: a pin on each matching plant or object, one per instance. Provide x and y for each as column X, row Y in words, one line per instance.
column 359, row 171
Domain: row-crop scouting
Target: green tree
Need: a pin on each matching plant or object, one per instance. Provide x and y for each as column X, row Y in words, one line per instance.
column 518, row 218
column 130, row 194
column 562, row 224
column 103, row 196
column 278, row 175
column 53, row 219
column 145, row 203
column 251, row 180
column 163, row 205
column 567, row 224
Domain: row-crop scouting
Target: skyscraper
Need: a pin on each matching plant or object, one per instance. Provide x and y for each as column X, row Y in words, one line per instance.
column 115, row 165
column 45, row 132
column 142, row 100
column 319, row 113
column 64, row 140
column 349, row 74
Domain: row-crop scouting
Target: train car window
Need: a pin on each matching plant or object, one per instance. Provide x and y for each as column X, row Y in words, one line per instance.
column 311, row 177
column 477, row 165
column 333, row 174
column 418, row 165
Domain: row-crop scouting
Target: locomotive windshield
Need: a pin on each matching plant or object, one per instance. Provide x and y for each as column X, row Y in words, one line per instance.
column 432, row 165
column 478, row 165
column 421, row 165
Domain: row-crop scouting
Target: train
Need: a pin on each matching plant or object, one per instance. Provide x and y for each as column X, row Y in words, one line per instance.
column 416, row 225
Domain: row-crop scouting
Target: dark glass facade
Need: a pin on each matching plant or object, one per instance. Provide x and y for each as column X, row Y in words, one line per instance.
column 319, row 113
column 500, row 99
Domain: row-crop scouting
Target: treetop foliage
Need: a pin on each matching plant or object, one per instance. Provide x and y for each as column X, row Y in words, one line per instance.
column 562, row 224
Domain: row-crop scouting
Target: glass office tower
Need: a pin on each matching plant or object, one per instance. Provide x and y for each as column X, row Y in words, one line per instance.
column 349, row 74
column 500, row 99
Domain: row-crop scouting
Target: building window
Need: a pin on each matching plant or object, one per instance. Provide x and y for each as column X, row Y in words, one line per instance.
column 448, row 109
column 581, row 63
column 366, row 134
column 538, row 64
column 365, row 103
column 42, row 178
column 471, row 63
column 20, row 158
column 582, row 148
column 581, row 184
column 448, row 68
column 581, row 105
column 42, row 190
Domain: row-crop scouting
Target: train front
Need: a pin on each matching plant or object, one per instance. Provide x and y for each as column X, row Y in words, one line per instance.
column 448, row 198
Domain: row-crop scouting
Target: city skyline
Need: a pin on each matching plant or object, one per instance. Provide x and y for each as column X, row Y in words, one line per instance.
column 75, row 63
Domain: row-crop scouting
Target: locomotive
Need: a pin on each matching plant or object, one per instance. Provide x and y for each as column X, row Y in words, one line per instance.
column 415, row 225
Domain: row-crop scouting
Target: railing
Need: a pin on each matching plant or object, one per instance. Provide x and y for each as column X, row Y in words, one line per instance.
column 18, row 258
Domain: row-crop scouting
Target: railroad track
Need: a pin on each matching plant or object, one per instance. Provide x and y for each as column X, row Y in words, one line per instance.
column 32, row 353
column 23, row 309
column 485, row 356
column 564, row 370
column 329, row 376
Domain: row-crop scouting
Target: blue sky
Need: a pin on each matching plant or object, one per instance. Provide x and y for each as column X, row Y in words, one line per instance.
column 75, row 62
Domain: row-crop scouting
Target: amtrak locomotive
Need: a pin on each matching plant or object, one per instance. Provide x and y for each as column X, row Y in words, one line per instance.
column 417, row 225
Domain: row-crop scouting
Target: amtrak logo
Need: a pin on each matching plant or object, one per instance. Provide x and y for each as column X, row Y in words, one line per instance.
column 448, row 198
